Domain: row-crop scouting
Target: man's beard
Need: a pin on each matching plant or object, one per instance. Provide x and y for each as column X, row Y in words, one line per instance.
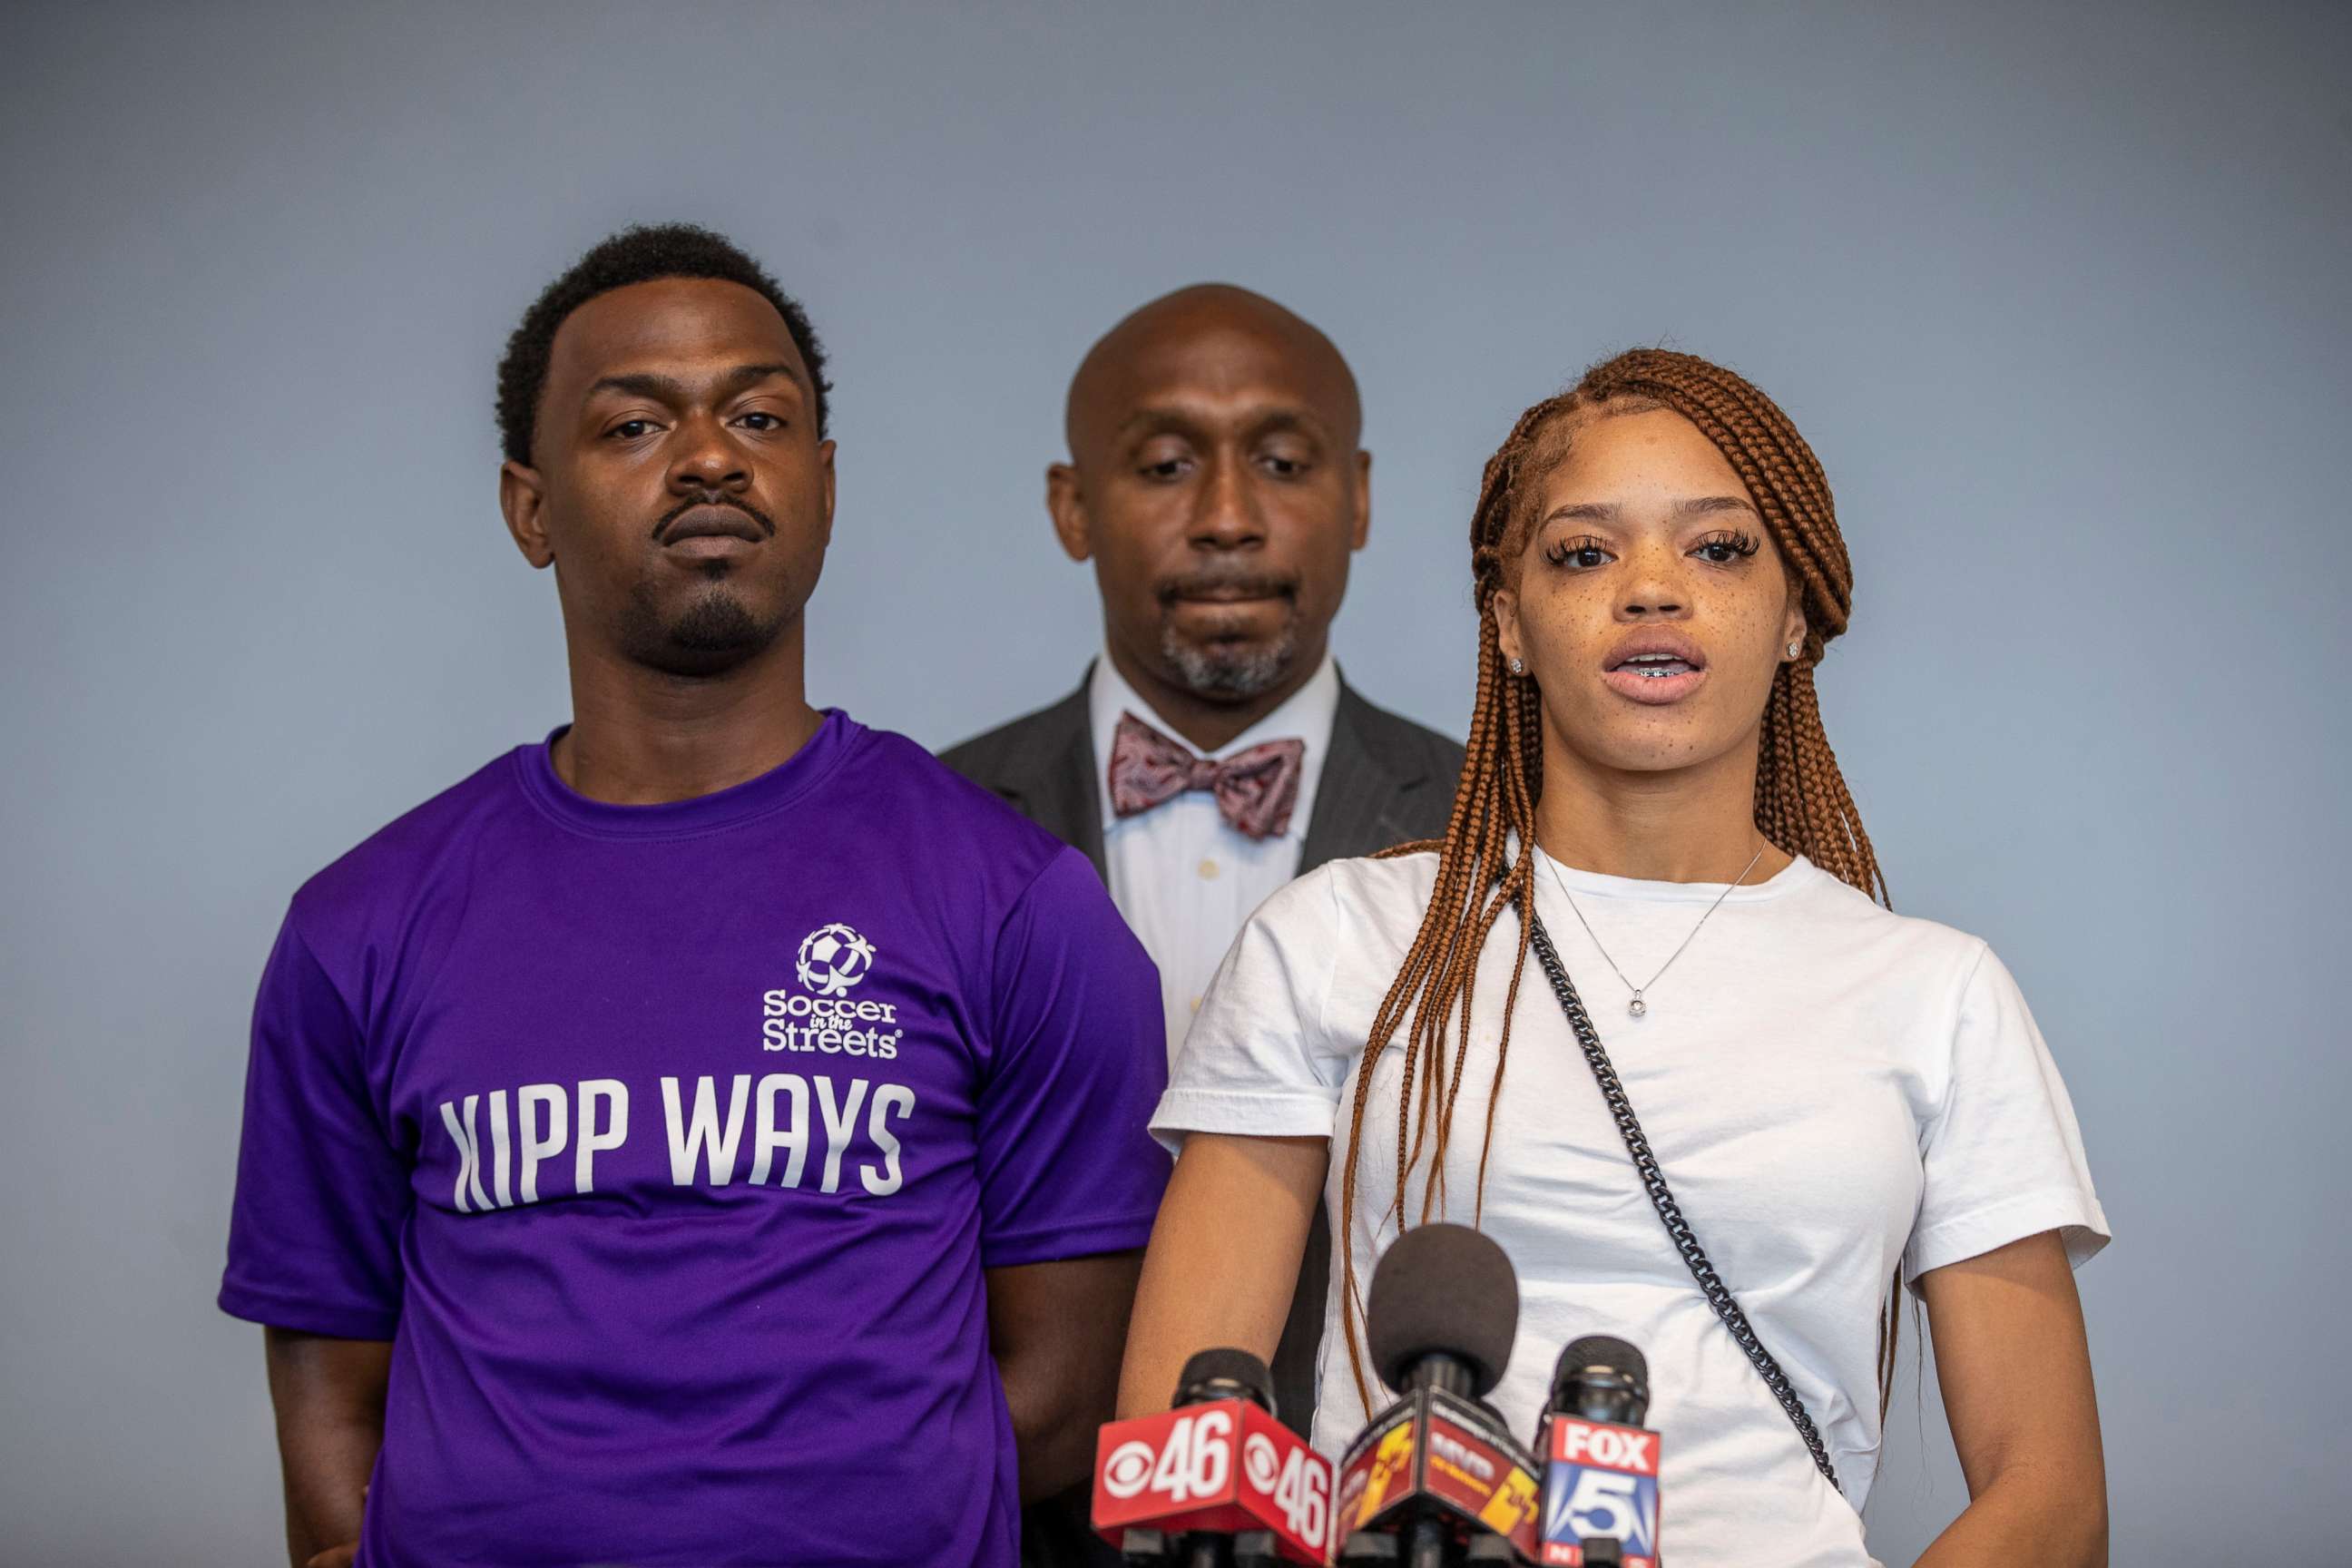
column 1230, row 670
column 713, row 634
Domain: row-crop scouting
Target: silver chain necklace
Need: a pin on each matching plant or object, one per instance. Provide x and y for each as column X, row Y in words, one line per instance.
column 1637, row 1006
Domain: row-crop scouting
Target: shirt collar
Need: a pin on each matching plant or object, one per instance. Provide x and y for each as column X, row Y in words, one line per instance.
column 1306, row 714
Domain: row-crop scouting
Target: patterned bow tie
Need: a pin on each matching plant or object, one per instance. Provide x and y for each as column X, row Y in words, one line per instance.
column 1255, row 789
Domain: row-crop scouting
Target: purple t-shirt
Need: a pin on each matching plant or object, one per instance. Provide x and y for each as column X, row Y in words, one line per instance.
column 668, row 1144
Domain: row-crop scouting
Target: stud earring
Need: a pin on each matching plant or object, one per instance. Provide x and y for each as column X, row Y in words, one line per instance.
column 1794, row 648
column 1519, row 666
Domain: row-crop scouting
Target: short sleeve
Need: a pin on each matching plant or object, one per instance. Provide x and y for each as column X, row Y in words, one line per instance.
column 1257, row 1061
column 2003, row 1156
column 321, row 1193
column 1077, row 1058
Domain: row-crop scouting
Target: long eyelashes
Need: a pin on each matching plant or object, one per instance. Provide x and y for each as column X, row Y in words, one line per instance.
column 1585, row 552
column 1720, row 548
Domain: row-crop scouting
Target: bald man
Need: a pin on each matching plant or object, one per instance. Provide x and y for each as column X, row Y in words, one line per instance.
column 1213, row 752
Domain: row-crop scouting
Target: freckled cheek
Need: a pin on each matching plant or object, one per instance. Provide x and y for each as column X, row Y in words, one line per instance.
column 1744, row 627
column 1569, row 631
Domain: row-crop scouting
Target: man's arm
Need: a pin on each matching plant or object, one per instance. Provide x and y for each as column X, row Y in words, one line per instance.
column 2015, row 1368
column 1057, row 1331
column 329, row 1396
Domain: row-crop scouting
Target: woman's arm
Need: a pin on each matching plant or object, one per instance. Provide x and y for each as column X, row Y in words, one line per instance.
column 2015, row 1369
column 1223, row 1258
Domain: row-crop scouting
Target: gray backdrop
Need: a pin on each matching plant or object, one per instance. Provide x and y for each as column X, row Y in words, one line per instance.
column 2058, row 293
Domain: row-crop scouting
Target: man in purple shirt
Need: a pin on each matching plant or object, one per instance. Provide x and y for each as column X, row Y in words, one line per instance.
column 715, row 1135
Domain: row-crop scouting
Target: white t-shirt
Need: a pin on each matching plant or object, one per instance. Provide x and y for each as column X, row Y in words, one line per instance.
column 1830, row 1089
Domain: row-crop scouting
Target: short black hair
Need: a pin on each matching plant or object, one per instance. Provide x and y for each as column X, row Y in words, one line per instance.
column 639, row 254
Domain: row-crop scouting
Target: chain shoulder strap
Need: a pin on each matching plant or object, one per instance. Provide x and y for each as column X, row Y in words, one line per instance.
column 1653, row 1181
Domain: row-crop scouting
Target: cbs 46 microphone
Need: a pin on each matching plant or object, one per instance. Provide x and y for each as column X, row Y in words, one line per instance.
column 1437, row 1478
column 1217, row 1480
column 1601, row 1465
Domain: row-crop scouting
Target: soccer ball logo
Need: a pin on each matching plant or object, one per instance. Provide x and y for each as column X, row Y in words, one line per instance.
column 833, row 959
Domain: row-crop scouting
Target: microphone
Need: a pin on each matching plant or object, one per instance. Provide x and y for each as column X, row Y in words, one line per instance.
column 1602, row 1379
column 1437, row 1478
column 1215, row 1481
column 1601, row 1471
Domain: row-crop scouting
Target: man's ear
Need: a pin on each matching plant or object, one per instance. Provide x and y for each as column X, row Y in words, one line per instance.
column 1066, row 504
column 1363, row 501
column 825, row 458
column 522, row 497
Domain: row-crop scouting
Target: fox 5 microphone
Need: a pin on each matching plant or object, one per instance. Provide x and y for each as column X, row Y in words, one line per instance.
column 1601, row 1465
column 1215, row 1481
column 1437, row 1478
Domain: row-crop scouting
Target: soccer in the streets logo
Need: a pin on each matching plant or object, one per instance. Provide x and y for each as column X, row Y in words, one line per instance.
column 833, row 958
column 820, row 1016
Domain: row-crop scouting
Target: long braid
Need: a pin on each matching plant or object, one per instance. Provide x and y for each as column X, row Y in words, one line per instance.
column 1474, row 862
column 1801, row 805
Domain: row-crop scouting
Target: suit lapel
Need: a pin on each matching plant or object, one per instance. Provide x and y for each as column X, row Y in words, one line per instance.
column 1052, row 781
column 1072, row 799
column 1353, row 803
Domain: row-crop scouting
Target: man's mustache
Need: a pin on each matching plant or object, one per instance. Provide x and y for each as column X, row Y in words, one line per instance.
column 661, row 525
column 1215, row 584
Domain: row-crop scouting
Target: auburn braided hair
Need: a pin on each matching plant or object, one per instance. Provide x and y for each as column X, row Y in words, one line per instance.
column 1802, row 801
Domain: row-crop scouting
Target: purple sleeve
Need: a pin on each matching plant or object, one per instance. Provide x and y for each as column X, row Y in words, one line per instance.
column 321, row 1193
column 1079, row 1058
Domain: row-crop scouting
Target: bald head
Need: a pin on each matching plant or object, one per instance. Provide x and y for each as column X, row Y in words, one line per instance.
column 1205, row 338
column 1217, row 482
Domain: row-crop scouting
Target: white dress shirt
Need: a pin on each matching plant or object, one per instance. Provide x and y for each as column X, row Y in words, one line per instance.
column 1182, row 876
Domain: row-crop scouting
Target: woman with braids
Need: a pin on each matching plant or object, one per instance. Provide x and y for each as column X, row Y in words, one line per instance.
column 1655, row 880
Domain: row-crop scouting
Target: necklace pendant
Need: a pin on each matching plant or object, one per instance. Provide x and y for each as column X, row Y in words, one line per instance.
column 1637, row 1006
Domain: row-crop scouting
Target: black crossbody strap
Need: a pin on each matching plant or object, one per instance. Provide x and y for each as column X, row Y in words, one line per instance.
column 1653, row 1180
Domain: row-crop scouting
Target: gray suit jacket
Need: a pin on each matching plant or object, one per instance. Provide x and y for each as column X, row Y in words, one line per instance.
column 1386, row 781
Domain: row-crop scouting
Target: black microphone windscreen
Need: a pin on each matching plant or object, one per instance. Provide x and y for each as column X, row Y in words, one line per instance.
column 1443, row 1289
column 1602, row 1349
column 1220, row 1374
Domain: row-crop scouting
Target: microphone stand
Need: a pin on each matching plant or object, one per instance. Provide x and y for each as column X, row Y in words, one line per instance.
column 1205, row 1550
column 1430, row 1543
column 1214, row 1549
column 1427, row 1542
